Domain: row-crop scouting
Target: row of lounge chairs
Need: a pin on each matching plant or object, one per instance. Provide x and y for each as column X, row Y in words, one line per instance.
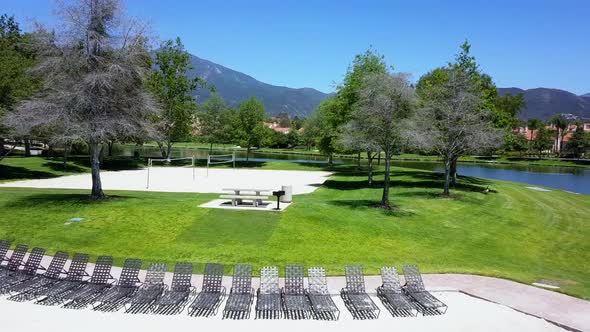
column 27, row 280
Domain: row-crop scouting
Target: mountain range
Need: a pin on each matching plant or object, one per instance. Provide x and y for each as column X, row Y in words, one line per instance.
column 234, row 87
column 543, row 103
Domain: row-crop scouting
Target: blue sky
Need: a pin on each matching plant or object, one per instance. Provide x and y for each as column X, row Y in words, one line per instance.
column 526, row 44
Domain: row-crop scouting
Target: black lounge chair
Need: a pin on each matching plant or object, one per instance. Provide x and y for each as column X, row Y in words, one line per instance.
column 241, row 294
column 29, row 270
column 356, row 299
column 149, row 292
column 322, row 305
column 268, row 304
column 213, row 292
column 426, row 303
column 175, row 299
column 4, row 246
column 295, row 301
column 14, row 261
column 27, row 290
column 391, row 295
column 54, row 293
column 114, row 298
column 100, row 281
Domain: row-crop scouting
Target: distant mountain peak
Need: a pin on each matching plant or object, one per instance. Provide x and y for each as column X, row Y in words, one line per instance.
column 235, row 87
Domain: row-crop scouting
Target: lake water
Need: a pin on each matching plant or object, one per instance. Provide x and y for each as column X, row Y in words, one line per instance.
column 572, row 179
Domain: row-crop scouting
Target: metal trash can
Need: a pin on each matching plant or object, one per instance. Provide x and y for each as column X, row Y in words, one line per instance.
column 288, row 196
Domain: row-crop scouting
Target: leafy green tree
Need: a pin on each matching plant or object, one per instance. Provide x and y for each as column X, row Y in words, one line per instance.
column 172, row 87
column 319, row 124
column 579, row 143
column 517, row 143
column 543, row 140
column 506, row 110
column 532, row 126
column 250, row 129
column 16, row 58
column 216, row 121
column 293, row 138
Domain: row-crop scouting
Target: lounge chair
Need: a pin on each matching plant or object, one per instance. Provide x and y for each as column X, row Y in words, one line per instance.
column 426, row 303
column 213, row 292
column 268, row 304
column 356, row 299
column 27, row 290
column 151, row 289
column 241, row 294
column 391, row 295
column 4, row 246
column 114, row 298
column 100, row 281
column 14, row 261
column 29, row 270
column 175, row 299
column 322, row 305
column 55, row 292
column 295, row 301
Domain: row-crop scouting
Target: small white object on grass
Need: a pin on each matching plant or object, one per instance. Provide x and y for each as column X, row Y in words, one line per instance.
column 538, row 189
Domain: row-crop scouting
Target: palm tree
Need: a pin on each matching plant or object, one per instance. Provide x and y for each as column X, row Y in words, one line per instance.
column 560, row 123
column 532, row 125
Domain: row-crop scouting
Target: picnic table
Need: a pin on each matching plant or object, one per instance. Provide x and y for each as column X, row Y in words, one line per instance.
column 239, row 195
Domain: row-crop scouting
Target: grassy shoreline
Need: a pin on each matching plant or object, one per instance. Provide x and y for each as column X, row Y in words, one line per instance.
column 512, row 232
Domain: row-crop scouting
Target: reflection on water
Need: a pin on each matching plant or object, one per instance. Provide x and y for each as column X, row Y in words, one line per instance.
column 573, row 179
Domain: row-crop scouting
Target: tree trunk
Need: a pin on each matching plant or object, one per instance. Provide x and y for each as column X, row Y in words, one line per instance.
column 248, row 153
column 385, row 197
column 330, row 159
column 110, row 148
column 448, row 164
column 27, row 147
column 370, row 167
column 168, row 149
column 379, row 158
column 358, row 160
column 1, row 146
column 95, row 150
column 453, row 171
column 162, row 150
column 210, row 147
column 66, row 150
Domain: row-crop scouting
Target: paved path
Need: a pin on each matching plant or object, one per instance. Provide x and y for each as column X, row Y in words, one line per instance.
column 563, row 310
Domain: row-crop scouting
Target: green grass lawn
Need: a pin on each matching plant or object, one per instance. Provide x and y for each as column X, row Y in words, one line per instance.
column 512, row 232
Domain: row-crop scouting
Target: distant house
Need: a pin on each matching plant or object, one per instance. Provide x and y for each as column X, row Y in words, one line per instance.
column 274, row 125
column 532, row 134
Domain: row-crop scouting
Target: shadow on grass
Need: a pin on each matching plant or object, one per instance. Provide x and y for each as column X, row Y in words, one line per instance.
column 59, row 167
column 371, row 204
column 16, row 173
column 56, row 200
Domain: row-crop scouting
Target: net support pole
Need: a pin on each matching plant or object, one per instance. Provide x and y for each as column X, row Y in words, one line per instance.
column 148, row 173
column 193, row 165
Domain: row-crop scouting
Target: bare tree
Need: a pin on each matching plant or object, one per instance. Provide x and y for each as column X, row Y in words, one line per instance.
column 385, row 102
column 93, row 74
column 452, row 122
column 355, row 138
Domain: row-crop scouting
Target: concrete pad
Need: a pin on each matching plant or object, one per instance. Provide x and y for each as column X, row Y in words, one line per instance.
column 180, row 179
column 267, row 206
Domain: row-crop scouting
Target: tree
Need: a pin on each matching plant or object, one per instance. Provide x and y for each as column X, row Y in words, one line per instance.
column 93, row 81
column 579, row 142
column 357, row 138
column 320, row 127
column 560, row 123
column 216, row 121
column 172, row 87
column 507, row 108
column 249, row 123
column 293, row 138
column 516, row 142
column 451, row 121
column 385, row 101
column 542, row 141
column 532, row 126
column 16, row 57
